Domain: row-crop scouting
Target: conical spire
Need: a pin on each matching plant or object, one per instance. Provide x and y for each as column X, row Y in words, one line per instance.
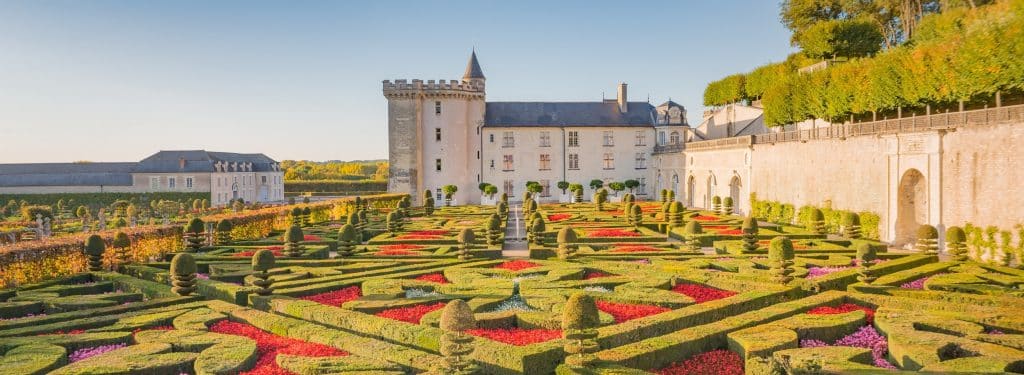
column 473, row 68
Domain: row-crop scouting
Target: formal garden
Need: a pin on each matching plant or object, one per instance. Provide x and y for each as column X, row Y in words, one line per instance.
column 375, row 285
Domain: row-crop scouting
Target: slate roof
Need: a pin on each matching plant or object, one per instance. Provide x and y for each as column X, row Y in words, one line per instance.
column 546, row 114
column 473, row 68
column 120, row 174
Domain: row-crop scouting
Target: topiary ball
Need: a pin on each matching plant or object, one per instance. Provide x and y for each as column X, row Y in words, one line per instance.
column 749, row 225
column 457, row 316
column 781, row 248
column 580, row 312
column 121, row 240
column 263, row 260
column 297, row 211
column 866, row 253
column 851, row 218
column 566, row 235
column 955, row 235
column 466, row 236
column 347, row 233
column 294, row 234
column 693, row 227
column 927, row 232
column 538, row 226
column 195, row 226
column 183, row 264
column 94, row 245
column 716, row 200
column 494, row 222
column 676, row 207
column 225, row 225
column 727, row 201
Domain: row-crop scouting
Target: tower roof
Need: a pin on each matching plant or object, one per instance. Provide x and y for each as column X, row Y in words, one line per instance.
column 473, row 68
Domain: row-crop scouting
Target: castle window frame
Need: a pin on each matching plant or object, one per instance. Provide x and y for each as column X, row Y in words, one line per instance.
column 545, row 162
column 509, row 187
column 673, row 138
column 154, row 182
column 608, row 138
column 491, row 137
column 507, row 163
column 643, row 186
column 545, row 138
column 437, row 134
column 546, row 184
column 437, row 107
column 641, row 160
column 641, row 138
column 574, row 138
column 574, row 162
column 608, row 161
column 508, row 139
column 189, row 181
column 437, row 164
column 171, row 183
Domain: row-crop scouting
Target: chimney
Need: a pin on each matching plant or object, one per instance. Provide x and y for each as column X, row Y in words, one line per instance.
column 623, row 102
column 181, row 163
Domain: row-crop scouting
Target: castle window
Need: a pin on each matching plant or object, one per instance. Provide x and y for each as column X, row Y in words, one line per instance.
column 437, row 134
column 491, row 137
column 641, row 138
column 437, row 164
column 188, row 182
column 609, row 138
column 574, row 139
column 508, row 139
column 546, row 184
column 545, row 139
column 643, row 186
column 574, row 161
column 661, row 138
column 509, row 187
column 609, row 160
column 545, row 162
column 673, row 138
column 154, row 183
column 492, row 163
column 438, row 193
column 507, row 163
column 437, row 108
column 641, row 160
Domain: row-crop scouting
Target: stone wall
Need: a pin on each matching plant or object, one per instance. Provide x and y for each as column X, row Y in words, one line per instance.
column 983, row 176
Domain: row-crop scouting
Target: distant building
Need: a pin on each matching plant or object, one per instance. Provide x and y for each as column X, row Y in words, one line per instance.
column 226, row 176
column 444, row 132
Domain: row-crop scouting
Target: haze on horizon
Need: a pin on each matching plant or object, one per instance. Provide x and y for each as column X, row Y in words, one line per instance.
column 117, row 80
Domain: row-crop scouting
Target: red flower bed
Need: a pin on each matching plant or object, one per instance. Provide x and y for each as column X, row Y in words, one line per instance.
column 411, row 314
column 701, row 293
column 730, row 232
column 842, row 309
column 311, row 237
column 706, row 218
column 517, row 336
column 595, row 275
column 434, row 278
column 404, row 246
column 612, row 233
column 715, row 362
column 430, row 232
column 277, row 252
column 517, row 265
column 337, row 297
column 625, row 312
column 558, row 217
column 634, row 249
column 418, row 237
column 269, row 345
column 395, row 253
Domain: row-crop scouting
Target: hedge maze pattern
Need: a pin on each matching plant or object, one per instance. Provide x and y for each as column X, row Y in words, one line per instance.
column 677, row 291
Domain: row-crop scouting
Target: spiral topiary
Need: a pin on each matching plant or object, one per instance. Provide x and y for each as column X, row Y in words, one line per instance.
column 293, row 241
column 428, row 206
column 727, row 205
column 502, row 210
column 716, row 204
column 580, row 319
column 537, row 231
column 577, row 195
column 347, row 240
column 600, row 198
column 671, row 195
column 851, row 225
column 262, row 262
column 456, row 344
column 637, row 215
column 627, row 212
column 956, row 245
column 307, row 215
column 504, row 198
column 391, row 222
column 183, row 274
column 94, row 248
column 780, row 258
column 121, row 242
column 223, row 234
column 566, row 240
column 194, row 234
column 296, row 216
column 664, row 196
column 927, row 240
column 356, row 223
column 691, row 236
column 494, row 229
column 816, row 221
column 865, row 255
column 466, row 239
column 749, row 229
column 675, row 214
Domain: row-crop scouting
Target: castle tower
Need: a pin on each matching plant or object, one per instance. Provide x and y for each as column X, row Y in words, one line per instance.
column 433, row 134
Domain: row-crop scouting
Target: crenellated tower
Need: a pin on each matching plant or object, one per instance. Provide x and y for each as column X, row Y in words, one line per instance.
column 434, row 134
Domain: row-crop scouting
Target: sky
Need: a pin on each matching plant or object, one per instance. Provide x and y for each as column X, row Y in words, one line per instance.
column 107, row 80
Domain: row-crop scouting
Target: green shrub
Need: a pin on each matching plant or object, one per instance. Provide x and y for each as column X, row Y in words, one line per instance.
column 727, row 206
column 307, row 214
column 223, row 235
column 456, row 345
column 691, row 235
column 502, row 209
column 29, row 213
column 637, row 214
column 865, row 255
column 716, row 204
column 580, row 318
column 956, row 245
column 428, row 206
column 927, row 240
column 262, row 262
column 780, row 257
column 94, row 248
column 183, row 274
column 600, row 198
column 537, row 231
column 566, row 242
column 675, row 214
column 347, row 240
column 493, row 229
column 335, row 186
column 121, row 242
column 663, row 196
column 749, row 229
column 392, row 223
column 851, row 225
column 466, row 239
column 194, row 234
column 816, row 221
column 293, row 241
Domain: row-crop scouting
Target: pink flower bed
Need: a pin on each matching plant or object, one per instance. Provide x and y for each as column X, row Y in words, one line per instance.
column 865, row 337
column 715, row 362
column 337, row 297
column 624, row 312
column 517, row 336
column 517, row 265
column 595, row 275
column 814, row 272
column 701, row 293
column 411, row 314
column 612, row 233
column 269, row 345
column 917, row 284
column 84, row 353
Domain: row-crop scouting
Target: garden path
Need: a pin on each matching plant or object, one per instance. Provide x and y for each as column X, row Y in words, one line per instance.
column 515, row 245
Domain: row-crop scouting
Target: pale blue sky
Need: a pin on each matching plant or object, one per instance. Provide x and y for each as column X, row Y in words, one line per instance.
column 117, row 80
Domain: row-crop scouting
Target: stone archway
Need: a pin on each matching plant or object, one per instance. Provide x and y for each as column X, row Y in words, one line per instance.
column 675, row 185
column 912, row 206
column 691, row 189
column 734, row 192
column 712, row 185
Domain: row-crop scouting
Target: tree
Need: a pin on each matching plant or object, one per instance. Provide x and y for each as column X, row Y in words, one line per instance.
column 580, row 319
column 183, row 274
column 262, row 262
column 631, row 184
column 577, row 192
column 841, row 38
column 749, row 230
column 534, row 187
column 449, row 191
column 596, row 184
column 617, row 187
column 490, row 191
column 456, row 344
column 94, row 248
column 563, row 185
column 293, row 241
column 780, row 258
column 121, row 242
column 194, row 234
column 566, row 240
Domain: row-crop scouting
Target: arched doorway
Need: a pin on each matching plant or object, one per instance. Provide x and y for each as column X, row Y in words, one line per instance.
column 675, row 185
column 659, row 185
column 734, row 192
column 712, row 185
column 691, row 187
column 911, row 205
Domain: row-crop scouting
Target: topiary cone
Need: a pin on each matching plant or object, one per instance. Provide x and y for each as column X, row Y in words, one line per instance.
column 466, row 239
column 537, row 230
column 780, row 257
column 927, row 239
column 94, row 248
column 224, row 228
column 183, row 274
column 749, row 229
column 580, row 319
column 262, row 261
column 347, row 240
column 294, row 238
column 121, row 242
column 955, row 243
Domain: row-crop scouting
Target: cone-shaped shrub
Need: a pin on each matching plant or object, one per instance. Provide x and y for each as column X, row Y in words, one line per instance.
column 780, row 257
column 664, row 196
column 428, row 206
column 675, row 214
column 183, row 274
column 927, row 240
column 121, row 242
column 566, row 242
column 537, row 230
column 577, row 195
column 628, row 198
column 297, row 216
column 716, row 204
column 671, row 195
column 727, row 205
column 427, row 194
column 579, row 327
column 262, row 262
column 94, row 248
column 691, row 235
column 749, row 230
column 956, row 245
column 600, row 198
column 223, row 235
column 493, row 229
column 851, row 225
column 816, row 221
column 466, row 238
column 456, row 344
column 293, row 241
column 865, row 255
column 194, row 234
column 504, row 198
column 347, row 240
column 627, row 212
column 356, row 222
column 637, row 215
column 307, row 215
column 502, row 210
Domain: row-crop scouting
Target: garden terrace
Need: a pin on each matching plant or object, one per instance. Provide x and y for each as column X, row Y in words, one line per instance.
column 662, row 305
